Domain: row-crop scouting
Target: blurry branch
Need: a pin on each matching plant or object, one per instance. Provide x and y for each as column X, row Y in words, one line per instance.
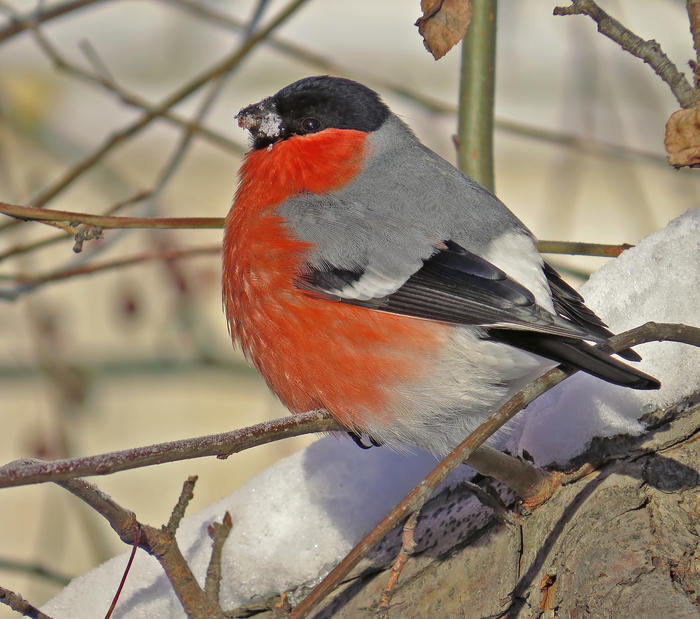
column 581, row 249
column 317, row 61
column 129, row 98
column 323, row 64
column 87, row 269
column 16, row 602
column 582, row 144
column 151, row 366
column 160, row 543
column 182, row 93
column 474, row 139
column 19, row 25
column 415, row 500
column 25, row 472
column 648, row 51
column 34, row 570
column 693, row 7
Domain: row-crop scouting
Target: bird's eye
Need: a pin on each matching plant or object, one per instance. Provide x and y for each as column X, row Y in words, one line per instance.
column 310, row 125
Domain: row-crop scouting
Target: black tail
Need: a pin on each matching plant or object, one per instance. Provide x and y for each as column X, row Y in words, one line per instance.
column 577, row 354
column 569, row 303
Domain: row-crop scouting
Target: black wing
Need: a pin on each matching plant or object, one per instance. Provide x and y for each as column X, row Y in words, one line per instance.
column 456, row 286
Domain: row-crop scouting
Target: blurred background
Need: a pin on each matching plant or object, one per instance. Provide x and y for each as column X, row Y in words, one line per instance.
column 140, row 354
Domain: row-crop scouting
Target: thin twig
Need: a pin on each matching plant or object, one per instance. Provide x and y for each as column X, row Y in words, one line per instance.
column 31, row 213
column 218, row 532
column 648, row 51
column 17, row 603
column 693, row 7
column 18, row 250
column 25, row 472
column 581, row 249
column 317, row 61
column 88, row 269
column 408, row 546
column 183, row 501
column 583, row 144
column 160, row 543
column 130, row 98
column 127, row 569
column 420, row 494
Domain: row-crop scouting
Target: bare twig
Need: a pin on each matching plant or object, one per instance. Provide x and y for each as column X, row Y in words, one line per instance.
column 127, row 569
column 408, row 545
column 17, row 603
column 178, row 512
column 18, row 250
column 581, row 249
column 88, row 269
column 219, row 532
column 123, row 521
column 25, row 472
column 694, row 17
column 583, row 144
column 648, row 51
column 31, row 213
column 490, row 498
column 161, row 543
column 130, row 98
column 417, row 497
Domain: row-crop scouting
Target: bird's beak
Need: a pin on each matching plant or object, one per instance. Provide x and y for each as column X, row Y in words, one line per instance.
column 262, row 120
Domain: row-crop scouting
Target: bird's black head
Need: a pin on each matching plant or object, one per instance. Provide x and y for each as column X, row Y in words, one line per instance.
column 312, row 105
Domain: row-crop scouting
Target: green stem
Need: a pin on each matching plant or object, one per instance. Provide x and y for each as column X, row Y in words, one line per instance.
column 475, row 123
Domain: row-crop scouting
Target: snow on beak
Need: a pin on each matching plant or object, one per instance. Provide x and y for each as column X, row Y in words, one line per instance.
column 262, row 120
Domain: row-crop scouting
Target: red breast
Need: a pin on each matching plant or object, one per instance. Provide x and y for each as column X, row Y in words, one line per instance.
column 312, row 352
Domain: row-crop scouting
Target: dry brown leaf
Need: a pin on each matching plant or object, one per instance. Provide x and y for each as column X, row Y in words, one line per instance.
column 682, row 139
column 443, row 24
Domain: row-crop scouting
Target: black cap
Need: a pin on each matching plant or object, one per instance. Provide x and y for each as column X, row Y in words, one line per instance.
column 312, row 105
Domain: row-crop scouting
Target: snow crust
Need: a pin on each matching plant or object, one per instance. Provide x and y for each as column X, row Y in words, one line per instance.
column 295, row 521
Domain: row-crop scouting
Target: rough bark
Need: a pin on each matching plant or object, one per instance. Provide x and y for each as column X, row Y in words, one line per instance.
column 621, row 542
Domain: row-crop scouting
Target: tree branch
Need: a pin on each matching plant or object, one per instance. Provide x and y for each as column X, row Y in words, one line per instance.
column 31, row 213
column 161, row 543
column 27, row 471
column 648, row 51
column 16, row 602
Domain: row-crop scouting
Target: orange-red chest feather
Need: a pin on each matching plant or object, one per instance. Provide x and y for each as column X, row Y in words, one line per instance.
column 313, row 353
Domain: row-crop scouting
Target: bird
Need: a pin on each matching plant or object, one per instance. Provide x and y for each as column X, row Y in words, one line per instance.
column 366, row 276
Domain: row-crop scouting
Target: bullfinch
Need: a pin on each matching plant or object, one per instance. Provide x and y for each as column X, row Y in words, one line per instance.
column 365, row 275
